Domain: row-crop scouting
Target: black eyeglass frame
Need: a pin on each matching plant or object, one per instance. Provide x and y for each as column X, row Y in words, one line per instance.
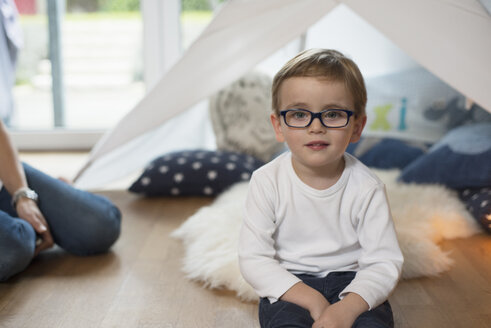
column 316, row 115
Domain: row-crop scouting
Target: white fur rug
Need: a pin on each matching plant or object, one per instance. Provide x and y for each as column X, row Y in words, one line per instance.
column 423, row 216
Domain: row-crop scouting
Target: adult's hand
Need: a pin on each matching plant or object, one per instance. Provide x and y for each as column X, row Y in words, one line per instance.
column 28, row 210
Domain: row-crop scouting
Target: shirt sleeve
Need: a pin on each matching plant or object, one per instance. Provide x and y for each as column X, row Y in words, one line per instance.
column 257, row 260
column 381, row 259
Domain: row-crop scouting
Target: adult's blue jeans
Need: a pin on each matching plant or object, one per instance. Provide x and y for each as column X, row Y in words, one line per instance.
column 286, row 314
column 80, row 222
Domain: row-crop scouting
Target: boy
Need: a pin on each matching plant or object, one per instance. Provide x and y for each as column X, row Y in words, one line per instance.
column 318, row 243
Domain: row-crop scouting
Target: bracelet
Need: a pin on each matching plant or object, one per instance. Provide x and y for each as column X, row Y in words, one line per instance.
column 24, row 192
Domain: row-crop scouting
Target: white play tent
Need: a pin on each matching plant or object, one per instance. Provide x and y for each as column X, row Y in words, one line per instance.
column 450, row 38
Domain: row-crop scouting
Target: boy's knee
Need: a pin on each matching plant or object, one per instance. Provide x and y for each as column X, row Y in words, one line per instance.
column 380, row 317
column 283, row 314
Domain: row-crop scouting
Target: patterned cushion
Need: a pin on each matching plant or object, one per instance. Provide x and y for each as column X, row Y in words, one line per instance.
column 478, row 203
column 194, row 173
column 240, row 117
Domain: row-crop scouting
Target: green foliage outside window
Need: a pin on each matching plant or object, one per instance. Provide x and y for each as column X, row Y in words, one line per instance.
column 103, row 5
column 199, row 5
column 195, row 5
column 134, row 5
column 119, row 5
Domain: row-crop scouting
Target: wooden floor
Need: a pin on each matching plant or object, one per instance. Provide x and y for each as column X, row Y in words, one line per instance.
column 139, row 284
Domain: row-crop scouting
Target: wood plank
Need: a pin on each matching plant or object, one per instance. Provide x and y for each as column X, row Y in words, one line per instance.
column 140, row 282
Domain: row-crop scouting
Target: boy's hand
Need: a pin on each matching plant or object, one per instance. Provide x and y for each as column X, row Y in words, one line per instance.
column 308, row 298
column 318, row 309
column 343, row 313
column 334, row 316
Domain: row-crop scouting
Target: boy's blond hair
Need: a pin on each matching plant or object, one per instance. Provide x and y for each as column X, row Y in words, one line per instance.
column 326, row 64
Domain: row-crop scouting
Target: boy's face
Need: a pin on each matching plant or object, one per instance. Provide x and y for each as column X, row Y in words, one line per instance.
column 316, row 147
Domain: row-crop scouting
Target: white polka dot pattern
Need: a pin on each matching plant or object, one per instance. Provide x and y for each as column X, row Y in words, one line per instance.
column 178, row 177
column 212, row 175
column 478, row 203
column 193, row 173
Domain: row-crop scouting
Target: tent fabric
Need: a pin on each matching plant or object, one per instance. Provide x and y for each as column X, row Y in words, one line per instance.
column 487, row 5
column 231, row 44
column 450, row 38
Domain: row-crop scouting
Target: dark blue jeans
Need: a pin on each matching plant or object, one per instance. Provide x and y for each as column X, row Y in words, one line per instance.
column 80, row 222
column 286, row 314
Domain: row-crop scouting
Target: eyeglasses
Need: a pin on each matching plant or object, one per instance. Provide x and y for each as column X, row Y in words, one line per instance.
column 330, row 118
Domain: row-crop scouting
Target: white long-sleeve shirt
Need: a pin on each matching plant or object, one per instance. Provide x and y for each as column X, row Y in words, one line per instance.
column 291, row 228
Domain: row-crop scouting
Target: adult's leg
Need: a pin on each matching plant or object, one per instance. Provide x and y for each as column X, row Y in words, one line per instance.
column 17, row 240
column 80, row 222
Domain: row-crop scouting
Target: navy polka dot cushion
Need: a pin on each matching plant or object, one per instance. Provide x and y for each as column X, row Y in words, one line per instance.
column 194, row 173
column 478, row 203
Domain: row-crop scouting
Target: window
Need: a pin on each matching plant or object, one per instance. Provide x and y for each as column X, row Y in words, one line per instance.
column 108, row 59
column 100, row 64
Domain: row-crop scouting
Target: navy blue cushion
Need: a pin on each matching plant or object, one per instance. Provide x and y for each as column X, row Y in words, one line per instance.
column 390, row 153
column 386, row 153
column 194, row 173
column 352, row 147
column 461, row 159
column 478, row 203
